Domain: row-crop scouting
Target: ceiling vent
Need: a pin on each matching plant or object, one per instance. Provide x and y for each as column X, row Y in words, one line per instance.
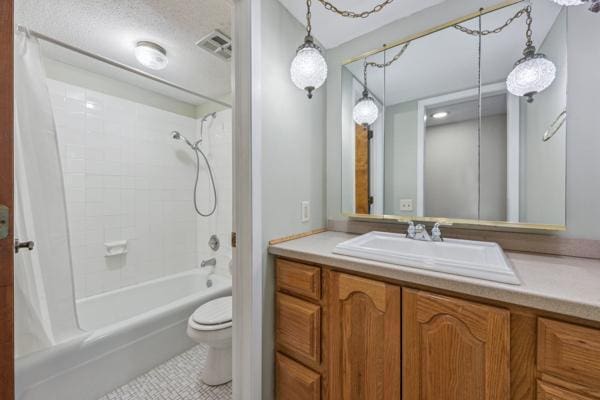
column 216, row 43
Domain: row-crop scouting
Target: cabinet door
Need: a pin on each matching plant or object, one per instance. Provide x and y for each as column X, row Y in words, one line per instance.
column 364, row 338
column 454, row 349
column 296, row 382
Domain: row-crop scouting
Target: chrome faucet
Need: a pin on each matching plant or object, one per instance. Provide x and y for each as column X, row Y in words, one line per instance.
column 211, row 262
column 419, row 232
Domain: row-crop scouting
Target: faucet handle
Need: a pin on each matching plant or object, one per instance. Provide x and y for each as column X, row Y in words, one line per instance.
column 436, row 233
column 411, row 231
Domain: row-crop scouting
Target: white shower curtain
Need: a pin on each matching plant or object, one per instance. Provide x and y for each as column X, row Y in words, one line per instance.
column 44, row 292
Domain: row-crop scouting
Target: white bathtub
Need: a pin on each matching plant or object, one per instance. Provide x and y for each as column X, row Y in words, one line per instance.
column 129, row 331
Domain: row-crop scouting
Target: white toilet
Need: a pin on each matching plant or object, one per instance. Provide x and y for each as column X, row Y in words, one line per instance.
column 211, row 325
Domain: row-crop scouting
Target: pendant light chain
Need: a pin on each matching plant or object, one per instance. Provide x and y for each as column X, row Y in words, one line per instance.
column 308, row 18
column 381, row 65
column 485, row 32
column 352, row 14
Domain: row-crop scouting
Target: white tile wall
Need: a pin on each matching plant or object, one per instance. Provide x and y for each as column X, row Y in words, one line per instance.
column 217, row 144
column 127, row 179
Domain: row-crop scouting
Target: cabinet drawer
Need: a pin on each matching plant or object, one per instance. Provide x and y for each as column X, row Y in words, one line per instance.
column 546, row 391
column 300, row 279
column 296, row 382
column 570, row 352
column 299, row 328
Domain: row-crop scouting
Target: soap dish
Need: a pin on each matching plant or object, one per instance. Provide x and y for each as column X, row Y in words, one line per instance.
column 115, row 248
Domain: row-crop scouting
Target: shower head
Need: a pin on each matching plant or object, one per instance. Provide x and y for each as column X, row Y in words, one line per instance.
column 178, row 136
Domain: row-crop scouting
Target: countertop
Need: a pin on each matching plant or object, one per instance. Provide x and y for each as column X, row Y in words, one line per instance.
column 564, row 285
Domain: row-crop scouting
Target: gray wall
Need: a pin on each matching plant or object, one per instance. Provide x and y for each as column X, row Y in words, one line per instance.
column 400, row 157
column 451, row 179
column 583, row 138
column 293, row 153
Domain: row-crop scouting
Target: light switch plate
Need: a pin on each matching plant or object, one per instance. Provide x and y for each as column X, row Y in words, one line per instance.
column 406, row 204
column 305, row 211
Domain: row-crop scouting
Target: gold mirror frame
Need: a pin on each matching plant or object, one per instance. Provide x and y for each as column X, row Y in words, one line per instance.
column 454, row 222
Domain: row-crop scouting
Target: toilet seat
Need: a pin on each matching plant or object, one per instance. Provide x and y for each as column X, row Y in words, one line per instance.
column 213, row 315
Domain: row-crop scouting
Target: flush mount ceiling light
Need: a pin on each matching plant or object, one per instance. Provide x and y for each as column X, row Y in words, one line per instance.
column 365, row 111
column 534, row 72
column 440, row 115
column 151, row 55
column 309, row 69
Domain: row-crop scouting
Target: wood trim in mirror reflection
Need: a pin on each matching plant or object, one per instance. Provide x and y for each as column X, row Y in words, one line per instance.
column 463, row 223
column 504, row 4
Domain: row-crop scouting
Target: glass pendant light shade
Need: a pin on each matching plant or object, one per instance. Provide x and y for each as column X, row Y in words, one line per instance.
column 365, row 111
column 568, row 2
column 308, row 69
column 531, row 75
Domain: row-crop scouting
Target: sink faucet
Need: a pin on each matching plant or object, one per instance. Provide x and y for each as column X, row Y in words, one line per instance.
column 419, row 232
column 211, row 262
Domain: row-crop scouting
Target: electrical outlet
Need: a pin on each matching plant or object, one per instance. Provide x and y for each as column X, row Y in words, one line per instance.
column 305, row 211
column 406, row 205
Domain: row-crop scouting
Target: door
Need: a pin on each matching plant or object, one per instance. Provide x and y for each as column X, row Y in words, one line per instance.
column 6, row 199
column 364, row 338
column 454, row 349
column 362, row 193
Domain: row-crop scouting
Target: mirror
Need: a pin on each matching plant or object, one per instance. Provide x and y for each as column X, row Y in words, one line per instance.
column 450, row 141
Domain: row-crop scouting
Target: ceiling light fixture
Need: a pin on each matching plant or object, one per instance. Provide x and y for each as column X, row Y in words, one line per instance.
column 440, row 115
column 534, row 72
column 308, row 69
column 151, row 55
column 366, row 111
column 594, row 6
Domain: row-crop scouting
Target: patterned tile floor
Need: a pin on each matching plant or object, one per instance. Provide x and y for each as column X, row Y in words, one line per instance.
column 176, row 379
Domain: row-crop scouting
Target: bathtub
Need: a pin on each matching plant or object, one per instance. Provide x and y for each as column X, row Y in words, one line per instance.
column 127, row 332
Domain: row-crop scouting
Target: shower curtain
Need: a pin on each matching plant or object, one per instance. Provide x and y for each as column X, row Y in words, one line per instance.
column 44, row 292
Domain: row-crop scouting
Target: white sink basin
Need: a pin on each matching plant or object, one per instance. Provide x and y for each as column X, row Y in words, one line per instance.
column 483, row 260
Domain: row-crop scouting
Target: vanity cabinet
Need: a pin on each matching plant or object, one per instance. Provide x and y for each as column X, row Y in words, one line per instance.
column 345, row 336
column 363, row 338
column 454, row 349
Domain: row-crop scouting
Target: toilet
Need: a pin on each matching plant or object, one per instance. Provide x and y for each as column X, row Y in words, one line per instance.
column 211, row 325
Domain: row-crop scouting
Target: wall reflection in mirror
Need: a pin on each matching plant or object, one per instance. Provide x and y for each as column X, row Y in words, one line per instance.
column 469, row 121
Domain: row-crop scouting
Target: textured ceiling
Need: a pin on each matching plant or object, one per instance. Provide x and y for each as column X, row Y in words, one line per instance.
column 111, row 28
column 332, row 30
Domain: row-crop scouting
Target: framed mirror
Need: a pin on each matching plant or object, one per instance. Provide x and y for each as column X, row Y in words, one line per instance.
column 451, row 138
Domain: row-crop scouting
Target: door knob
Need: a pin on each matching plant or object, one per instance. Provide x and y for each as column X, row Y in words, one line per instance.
column 23, row 245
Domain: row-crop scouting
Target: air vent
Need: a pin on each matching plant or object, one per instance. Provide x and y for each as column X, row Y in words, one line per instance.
column 216, row 43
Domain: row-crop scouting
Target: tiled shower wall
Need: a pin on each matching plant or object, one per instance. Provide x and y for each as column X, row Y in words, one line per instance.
column 127, row 179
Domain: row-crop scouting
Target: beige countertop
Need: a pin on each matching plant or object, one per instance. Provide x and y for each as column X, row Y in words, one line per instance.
column 564, row 285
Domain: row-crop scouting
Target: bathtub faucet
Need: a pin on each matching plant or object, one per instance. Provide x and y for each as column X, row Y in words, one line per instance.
column 211, row 262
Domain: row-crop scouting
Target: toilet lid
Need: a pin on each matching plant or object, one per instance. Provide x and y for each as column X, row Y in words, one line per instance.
column 214, row 312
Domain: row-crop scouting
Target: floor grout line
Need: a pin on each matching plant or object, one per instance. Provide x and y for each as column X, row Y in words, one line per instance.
column 175, row 379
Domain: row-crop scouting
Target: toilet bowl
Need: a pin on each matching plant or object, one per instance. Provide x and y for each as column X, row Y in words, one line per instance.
column 211, row 325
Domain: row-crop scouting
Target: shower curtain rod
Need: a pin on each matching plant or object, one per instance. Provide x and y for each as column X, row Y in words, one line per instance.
column 117, row 64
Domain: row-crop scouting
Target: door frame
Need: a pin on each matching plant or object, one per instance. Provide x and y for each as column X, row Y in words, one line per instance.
column 247, row 271
column 6, row 198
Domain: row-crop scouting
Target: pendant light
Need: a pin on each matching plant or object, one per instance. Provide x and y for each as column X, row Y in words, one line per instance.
column 594, row 6
column 365, row 111
column 309, row 69
column 534, row 72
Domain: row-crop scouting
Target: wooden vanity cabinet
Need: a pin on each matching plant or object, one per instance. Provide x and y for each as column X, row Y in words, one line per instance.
column 454, row 349
column 340, row 336
column 363, row 338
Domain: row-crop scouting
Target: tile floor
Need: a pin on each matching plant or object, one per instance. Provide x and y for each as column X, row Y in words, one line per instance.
column 176, row 379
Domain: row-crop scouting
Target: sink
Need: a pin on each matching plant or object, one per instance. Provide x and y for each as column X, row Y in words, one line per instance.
column 482, row 260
